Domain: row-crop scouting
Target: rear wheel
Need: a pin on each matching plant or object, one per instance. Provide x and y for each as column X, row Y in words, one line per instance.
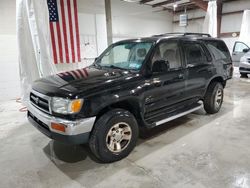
column 213, row 98
column 114, row 135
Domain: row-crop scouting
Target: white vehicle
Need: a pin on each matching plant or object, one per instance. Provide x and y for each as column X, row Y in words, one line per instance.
column 245, row 65
column 239, row 50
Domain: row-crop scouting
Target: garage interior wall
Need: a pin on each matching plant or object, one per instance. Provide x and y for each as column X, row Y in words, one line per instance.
column 129, row 20
column 9, row 74
column 227, row 25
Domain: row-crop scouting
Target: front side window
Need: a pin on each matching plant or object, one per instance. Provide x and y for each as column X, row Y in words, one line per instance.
column 239, row 47
column 169, row 52
column 194, row 53
column 128, row 56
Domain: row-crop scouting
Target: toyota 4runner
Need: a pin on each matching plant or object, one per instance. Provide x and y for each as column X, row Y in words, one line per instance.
column 134, row 84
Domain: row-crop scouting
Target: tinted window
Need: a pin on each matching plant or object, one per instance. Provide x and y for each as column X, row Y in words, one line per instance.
column 168, row 51
column 239, row 47
column 194, row 53
column 218, row 49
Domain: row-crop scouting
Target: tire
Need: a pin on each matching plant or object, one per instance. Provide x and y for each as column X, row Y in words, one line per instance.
column 244, row 75
column 213, row 98
column 104, row 144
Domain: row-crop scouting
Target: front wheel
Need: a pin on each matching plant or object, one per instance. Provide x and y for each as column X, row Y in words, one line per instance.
column 114, row 135
column 213, row 98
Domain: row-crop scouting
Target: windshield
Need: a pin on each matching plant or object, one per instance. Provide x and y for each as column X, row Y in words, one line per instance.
column 129, row 56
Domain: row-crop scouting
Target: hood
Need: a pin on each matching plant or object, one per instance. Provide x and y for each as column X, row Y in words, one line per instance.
column 82, row 81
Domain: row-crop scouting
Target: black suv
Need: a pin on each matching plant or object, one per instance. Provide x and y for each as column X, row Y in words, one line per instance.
column 134, row 84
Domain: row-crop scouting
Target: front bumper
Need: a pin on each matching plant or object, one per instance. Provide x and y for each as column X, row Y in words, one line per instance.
column 76, row 132
column 244, row 67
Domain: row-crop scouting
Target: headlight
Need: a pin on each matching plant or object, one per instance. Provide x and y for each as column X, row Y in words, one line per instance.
column 66, row 106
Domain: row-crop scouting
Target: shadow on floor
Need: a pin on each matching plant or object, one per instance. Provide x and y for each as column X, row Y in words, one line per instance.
column 67, row 153
column 58, row 151
column 78, row 161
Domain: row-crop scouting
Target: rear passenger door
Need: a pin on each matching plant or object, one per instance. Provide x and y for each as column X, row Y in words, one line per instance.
column 198, row 69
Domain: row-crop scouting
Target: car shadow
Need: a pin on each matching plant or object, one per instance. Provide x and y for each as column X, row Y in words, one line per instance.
column 74, row 161
column 76, row 153
column 59, row 152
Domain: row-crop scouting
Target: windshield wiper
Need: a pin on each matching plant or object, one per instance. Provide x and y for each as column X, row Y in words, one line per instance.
column 97, row 65
column 114, row 67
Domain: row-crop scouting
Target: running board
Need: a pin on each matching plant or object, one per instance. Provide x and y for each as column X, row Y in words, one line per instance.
column 178, row 115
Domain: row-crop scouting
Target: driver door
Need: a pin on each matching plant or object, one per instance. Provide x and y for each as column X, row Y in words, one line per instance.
column 165, row 89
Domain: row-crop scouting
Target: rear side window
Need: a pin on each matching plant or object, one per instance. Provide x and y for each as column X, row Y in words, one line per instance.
column 219, row 50
column 194, row 53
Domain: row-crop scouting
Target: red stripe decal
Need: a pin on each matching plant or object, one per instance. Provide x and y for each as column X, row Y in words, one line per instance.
column 71, row 31
column 59, row 42
column 64, row 31
column 77, row 32
column 53, row 42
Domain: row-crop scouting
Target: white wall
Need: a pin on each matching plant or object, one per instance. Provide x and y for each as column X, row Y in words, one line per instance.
column 129, row 20
column 9, row 74
column 195, row 25
column 229, row 23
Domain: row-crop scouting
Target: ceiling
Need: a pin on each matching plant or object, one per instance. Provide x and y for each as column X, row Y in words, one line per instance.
column 178, row 5
column 121, row 8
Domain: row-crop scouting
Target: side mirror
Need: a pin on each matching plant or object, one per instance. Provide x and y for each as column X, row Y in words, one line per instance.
column 246, row 50
column 160, row 66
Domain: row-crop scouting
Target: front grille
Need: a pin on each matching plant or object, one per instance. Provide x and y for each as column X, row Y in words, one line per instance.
column 39, row 102
column 40, row 125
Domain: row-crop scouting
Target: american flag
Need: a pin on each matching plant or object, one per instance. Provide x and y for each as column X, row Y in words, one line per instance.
column 64, row 31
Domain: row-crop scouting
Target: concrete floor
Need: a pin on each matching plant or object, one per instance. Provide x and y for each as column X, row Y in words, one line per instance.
column 197, row 150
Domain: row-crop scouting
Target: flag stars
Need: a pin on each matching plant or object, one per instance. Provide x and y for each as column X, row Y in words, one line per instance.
column 53, row 12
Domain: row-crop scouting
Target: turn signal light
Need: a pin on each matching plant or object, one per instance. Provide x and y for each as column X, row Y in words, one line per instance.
column 58, row 127
column 76, row 105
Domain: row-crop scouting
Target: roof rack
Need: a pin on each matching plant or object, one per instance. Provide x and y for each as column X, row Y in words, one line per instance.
column 185, row 34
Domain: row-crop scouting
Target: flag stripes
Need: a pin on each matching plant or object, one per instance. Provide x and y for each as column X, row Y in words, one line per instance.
column 64, row 31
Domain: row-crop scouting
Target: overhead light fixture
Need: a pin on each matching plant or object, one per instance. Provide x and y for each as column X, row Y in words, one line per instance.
column 175, row 5
column 131, row 1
